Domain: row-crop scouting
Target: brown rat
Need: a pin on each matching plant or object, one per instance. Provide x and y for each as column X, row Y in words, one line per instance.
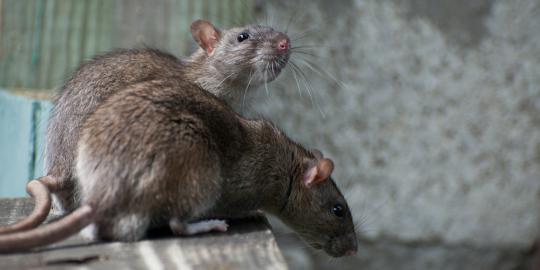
column 168, row 152
column 226, row 64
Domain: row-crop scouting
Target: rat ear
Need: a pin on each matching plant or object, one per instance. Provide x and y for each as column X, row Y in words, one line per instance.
column 206, row 35
column 318, row 173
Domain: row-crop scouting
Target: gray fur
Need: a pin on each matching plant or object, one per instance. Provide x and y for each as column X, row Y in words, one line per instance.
column 226, row 74
column 167, row 150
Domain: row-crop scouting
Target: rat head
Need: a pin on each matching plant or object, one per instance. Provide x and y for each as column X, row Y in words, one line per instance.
column 317, row 210
column 245, row 55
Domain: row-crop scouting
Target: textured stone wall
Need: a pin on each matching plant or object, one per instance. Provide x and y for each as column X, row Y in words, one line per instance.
column 431, row 111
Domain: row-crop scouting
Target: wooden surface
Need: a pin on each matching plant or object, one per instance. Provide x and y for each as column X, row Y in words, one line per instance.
column 42, row 41
column 249, row 244
column 22, row 128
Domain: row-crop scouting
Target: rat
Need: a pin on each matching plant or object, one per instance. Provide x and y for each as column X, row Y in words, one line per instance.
column 226, row 64
column 167, row 152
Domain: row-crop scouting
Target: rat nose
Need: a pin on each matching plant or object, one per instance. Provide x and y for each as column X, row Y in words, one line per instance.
column 283, row 45
column 352, row 246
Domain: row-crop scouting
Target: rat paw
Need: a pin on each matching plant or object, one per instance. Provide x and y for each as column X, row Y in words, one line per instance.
column 198, row 227
column 89, row 232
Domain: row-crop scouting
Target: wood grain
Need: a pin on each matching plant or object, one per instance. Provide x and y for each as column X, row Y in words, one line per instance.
column 249, row 244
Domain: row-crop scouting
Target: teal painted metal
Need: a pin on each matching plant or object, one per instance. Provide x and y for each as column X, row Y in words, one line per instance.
column 22, row 130
column 16, row 144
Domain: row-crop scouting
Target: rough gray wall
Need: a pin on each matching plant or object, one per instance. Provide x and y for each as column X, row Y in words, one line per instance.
column 433, row 123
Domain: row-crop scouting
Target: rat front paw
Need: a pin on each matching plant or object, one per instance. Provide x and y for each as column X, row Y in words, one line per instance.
column 89, row 232
column 203, row 226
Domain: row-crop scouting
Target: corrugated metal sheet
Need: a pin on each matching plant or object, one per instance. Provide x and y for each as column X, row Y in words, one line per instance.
column 41, row 41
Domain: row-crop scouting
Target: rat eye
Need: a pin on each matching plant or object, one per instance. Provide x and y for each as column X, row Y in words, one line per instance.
column 338, row 210
column 243, row 36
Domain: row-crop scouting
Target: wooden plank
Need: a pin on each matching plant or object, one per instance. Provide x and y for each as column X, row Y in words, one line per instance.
column 249, row 244
column 16, row 144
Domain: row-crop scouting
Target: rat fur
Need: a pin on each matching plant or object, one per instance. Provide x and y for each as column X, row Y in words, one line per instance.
column 168, row 152
column 223, row 65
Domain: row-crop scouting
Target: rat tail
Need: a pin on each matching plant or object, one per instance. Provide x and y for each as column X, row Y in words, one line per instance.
column 40, row 190
column 49, row 233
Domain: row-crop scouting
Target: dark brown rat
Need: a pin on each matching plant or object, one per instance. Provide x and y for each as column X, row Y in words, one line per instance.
column 226, row 63
column 168, row 152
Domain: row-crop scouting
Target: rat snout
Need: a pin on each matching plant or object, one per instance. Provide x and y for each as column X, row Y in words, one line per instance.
column 283, row 43
column 344, row 245
column 350, row 252
column 283, row 46
column 351, row 244
column 272, row 55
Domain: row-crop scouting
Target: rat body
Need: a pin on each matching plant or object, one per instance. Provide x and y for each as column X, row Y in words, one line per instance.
column 226, row 64
column 168, row 152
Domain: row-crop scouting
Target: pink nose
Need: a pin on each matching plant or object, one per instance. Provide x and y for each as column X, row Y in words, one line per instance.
column 283, row 45
column 350, row 252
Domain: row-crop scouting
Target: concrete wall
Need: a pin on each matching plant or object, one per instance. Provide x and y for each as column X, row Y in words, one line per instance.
column 431, row 112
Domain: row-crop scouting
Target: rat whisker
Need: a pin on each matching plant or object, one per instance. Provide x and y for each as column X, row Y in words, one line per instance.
column 303, row 34
column 224, row 79
column 247, row 87
column 296, row 47
column 265, row 81
column 273, row 70
column 291, row 19
column 296, row 74
column 320, row 72
column 310, row 46
column 309, row 89
column 307, row 50
column 304, row 52
column 296, row 80
column 330, row 260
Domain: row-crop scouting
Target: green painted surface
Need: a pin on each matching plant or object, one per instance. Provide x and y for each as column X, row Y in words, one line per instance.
column 40, row 49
